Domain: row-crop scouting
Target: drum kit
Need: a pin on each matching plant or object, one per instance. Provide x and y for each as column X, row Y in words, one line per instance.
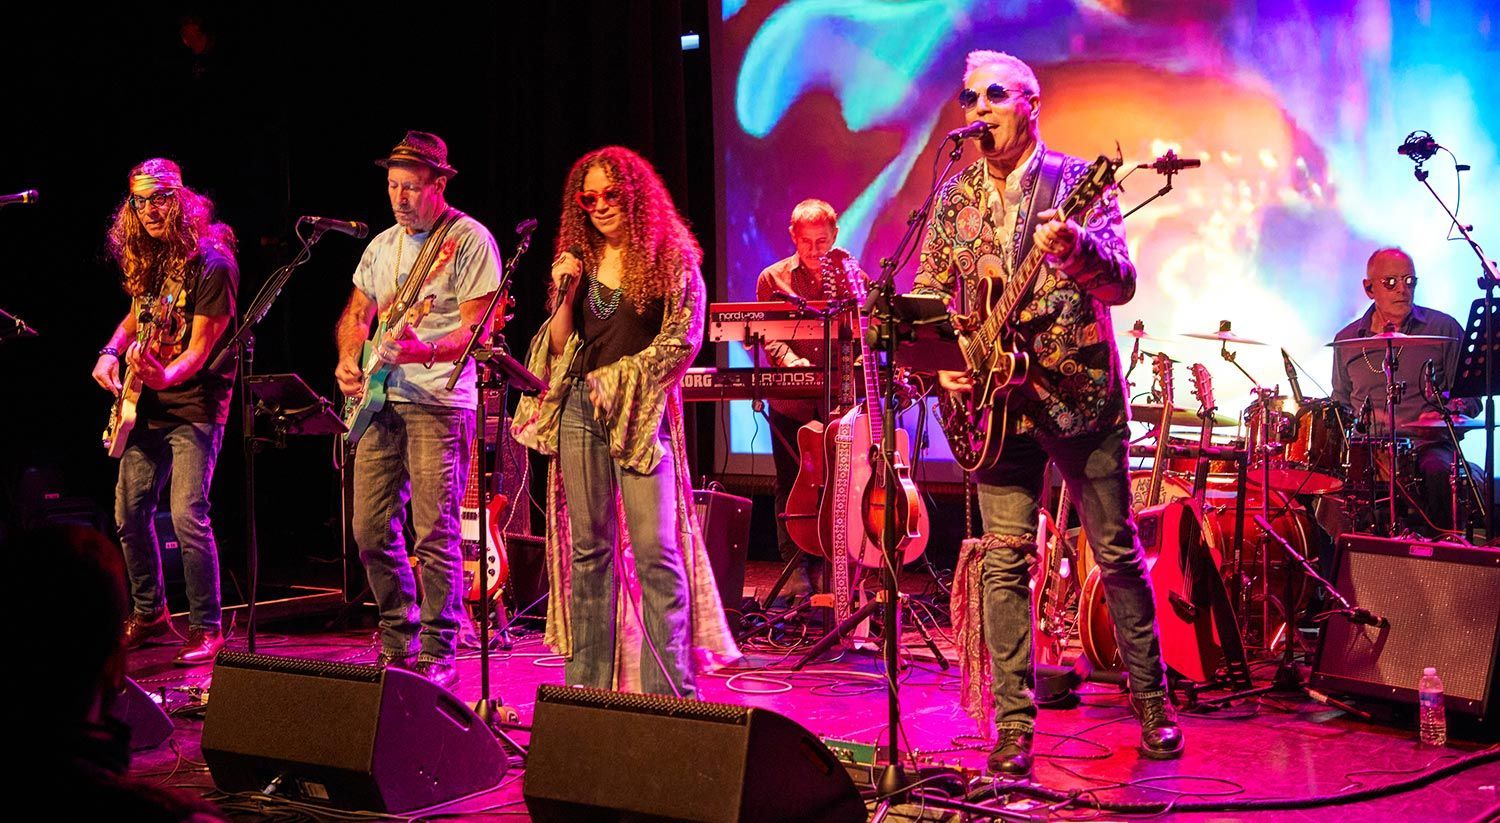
column 1291, row 456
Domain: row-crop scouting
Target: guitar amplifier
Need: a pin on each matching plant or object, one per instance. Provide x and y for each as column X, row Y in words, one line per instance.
column 1440, row 603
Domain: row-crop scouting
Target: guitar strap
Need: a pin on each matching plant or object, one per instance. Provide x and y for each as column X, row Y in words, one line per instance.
column 1043, row 197
column 421, row 269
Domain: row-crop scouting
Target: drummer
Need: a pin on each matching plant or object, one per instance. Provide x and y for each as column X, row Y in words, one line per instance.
column 1358, row 374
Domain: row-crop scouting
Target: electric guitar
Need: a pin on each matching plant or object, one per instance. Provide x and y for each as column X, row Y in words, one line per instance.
column 468, row 521
column 974, row 421
column 157, row 322
column 406, row 312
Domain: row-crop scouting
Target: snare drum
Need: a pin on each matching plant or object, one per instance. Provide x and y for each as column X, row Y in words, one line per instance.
column 1369, row 463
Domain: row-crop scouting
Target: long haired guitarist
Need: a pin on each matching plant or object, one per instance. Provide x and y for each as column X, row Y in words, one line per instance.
column 1012, row 234
column 169, row 415
column 429, row 277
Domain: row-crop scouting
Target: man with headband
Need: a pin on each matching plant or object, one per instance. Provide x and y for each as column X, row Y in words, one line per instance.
column 417, row 445
column 179, row 270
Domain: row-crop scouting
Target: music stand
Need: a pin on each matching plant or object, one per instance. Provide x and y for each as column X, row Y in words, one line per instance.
column 1476, row 377
column 292, row 406
column 926, row 341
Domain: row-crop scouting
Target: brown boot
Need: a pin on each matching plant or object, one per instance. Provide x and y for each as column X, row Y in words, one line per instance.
column 142, row 627
column 202, row 646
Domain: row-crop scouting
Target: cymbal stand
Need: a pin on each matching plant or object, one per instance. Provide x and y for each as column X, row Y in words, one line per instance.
column 1460, row 474
column 1394, row 390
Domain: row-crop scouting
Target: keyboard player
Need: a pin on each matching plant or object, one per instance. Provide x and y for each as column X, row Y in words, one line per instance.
column 814, row 272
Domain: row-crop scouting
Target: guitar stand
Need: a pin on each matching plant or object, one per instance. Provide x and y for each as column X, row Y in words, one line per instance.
column 858, row 616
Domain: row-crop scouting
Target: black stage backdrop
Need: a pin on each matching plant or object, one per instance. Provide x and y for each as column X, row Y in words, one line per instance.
column 283, row 114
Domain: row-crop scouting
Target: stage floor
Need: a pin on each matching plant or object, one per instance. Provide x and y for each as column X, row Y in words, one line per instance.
column 1283, row 747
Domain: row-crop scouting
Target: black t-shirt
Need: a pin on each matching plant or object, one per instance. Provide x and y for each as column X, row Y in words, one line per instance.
column 623, row 333
column 204, row 397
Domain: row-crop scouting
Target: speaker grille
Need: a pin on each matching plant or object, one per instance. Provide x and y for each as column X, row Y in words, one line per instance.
column 654, row 704
column 299, row 665
column 1443, row 610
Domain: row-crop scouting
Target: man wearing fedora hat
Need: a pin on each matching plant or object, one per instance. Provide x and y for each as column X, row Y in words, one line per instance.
column 417, row 446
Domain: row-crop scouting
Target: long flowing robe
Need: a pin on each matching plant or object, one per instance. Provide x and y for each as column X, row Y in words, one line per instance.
column 635, row 392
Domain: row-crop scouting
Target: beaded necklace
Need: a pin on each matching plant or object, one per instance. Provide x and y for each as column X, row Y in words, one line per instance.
column 600, row 306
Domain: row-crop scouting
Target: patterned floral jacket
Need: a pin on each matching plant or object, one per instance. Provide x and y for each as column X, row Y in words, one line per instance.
column 1075, row 384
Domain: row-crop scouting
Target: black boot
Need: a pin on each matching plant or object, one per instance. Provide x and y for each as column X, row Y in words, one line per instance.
column 1161, row 737
column 1012, row 754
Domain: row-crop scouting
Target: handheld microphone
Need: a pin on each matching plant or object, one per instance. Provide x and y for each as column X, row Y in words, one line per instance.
column 566, row 282
column 23, row 198
column 976, row 129
column 353, row 228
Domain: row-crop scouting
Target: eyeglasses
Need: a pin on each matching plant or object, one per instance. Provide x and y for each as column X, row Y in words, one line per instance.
column 587, row 200
column 1390, row 282
column 158, row 200
column 996, row 94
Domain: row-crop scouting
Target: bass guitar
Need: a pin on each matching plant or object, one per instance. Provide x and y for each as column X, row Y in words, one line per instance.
column 974, row 421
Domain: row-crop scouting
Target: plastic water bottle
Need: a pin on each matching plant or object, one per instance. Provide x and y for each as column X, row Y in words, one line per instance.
column 1433, row 721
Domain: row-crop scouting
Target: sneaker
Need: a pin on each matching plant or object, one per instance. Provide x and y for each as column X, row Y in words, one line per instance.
column 1161, row 737
column 202, row 646
column 142, row 627
column 1012, row 754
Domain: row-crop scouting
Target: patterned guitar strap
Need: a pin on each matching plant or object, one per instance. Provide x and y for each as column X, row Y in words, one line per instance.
column 421, row 268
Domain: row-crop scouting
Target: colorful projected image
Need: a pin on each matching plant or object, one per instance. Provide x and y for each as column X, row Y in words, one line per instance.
column 1295, row 110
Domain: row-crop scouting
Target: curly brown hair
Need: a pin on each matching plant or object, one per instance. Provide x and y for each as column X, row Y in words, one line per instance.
column 191, row 230
column 660, row 249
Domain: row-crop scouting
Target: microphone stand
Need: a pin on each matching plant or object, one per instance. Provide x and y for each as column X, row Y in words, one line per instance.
column 17, row 327
column 243, row 342
column 496, row 370
column 893, row 785
column 1167, row 165
column 1487, row 281
column 1461, row 471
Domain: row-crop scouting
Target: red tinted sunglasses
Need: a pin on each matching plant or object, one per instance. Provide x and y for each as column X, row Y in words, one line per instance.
column 588, row 200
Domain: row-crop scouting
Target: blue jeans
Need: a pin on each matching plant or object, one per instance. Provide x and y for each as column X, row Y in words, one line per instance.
column 590, row 479
column 418, row 453
column 184, row 452
column 1094, row 468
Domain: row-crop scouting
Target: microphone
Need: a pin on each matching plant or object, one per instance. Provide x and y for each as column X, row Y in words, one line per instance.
column 978, row 128
column 790, row 298
column 526, row 226
column 1429, row 378
column 1170, row 163
column 1365, row 617
column 25, row 198
column 353, row 228
column 1419, row 146
column 566, row 282
column 1291, row 376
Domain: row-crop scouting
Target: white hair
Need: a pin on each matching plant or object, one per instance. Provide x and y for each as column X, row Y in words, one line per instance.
column 983, row 57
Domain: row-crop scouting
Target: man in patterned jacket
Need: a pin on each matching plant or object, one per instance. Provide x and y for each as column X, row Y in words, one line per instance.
column 1071, row 409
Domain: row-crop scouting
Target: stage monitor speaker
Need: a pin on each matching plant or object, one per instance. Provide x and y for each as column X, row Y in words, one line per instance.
column 607, row 756
column 1442, row 602
column 725, row 520
column 345, row 736
column 149, row 725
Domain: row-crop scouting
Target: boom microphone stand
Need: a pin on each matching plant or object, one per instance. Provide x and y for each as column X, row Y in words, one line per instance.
column 1420, row 147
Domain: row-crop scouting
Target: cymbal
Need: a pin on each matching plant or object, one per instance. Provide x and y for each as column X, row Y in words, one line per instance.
column 1223, row 337
column 1396, row 338
column 1140, row 334
column 1461, row 422
column 1151, row 413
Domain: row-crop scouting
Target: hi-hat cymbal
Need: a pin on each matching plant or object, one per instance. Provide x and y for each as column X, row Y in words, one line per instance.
column 1224, row 337
column 1151, row 414
column 1395, row 337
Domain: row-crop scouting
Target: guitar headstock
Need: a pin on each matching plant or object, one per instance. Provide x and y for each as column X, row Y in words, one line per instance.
column 420, row 310
column 1161, row 366
column 1098, row 180
column 1203, row 387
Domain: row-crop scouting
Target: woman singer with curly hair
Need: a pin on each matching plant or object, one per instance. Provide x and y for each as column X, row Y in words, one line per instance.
column 628, row 313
